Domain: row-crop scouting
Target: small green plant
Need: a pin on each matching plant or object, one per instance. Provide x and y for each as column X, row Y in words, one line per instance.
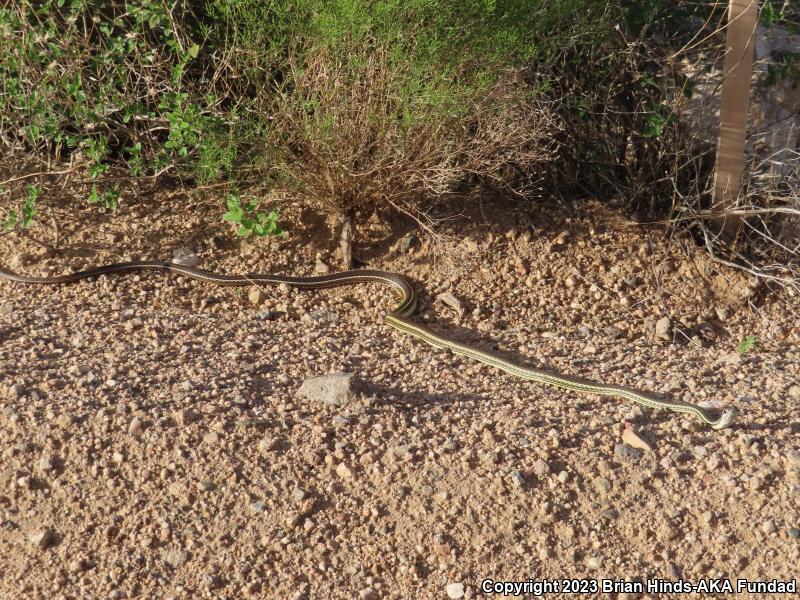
column 135, row 160
column 96, row 150
column 108, row 199
column 747, row 343
column 251, row 222
column 785, row 67
column 27, row 213
column 770, row 15
column 656, row 120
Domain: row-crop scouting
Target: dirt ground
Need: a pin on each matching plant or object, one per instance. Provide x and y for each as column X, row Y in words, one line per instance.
column 154, row 444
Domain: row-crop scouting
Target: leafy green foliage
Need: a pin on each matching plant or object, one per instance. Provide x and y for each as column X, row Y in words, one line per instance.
column 281, row 92
column 671, row 18
column 118, row 81
column 250, row 221
column 143, row 83
column 441, row 53
column 786, row 68
column 770, row 14
column 24, row 219
column 656, row 120
column 108, row 198
column 351, row 92
column 746, row 344
column 10, row 221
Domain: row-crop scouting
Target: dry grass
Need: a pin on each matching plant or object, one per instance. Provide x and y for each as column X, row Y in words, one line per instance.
column 353, row 152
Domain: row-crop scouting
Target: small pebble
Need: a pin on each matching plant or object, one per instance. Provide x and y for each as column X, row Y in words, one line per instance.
column 455, row 590
column 42, row 538
column 47, row 463
column 136, row 428
column 267, row 444
column 321, row 267
column 627, row 453
column 440, row 546
column 343, row 471
column 368, row 594
column 602, row 485
column 75, row 566
column 256, row 296
column 673, row 571
column 184, row 416
column 664, row 329
column 518, row 478
column 540, row 467
column 634, row 439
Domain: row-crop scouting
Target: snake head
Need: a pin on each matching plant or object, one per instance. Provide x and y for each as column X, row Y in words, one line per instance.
column 725, row 419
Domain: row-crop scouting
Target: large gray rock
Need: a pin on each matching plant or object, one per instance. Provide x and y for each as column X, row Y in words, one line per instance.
column 335, row 388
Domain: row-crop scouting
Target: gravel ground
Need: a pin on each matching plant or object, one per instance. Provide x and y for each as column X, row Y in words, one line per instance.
column 154, row 442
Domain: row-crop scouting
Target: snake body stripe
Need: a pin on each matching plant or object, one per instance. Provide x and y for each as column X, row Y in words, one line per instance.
column 397, row 318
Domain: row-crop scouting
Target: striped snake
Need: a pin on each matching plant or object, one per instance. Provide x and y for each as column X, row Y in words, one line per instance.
column 399, row 319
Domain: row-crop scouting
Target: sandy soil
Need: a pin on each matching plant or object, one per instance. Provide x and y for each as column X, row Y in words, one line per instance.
column 154, row 444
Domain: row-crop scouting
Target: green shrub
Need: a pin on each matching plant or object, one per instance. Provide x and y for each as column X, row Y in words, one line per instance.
column 112, row 83
column 367, row 105
column 355, row 104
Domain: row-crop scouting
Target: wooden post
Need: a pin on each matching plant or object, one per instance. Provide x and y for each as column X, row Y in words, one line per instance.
column 734, row 110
